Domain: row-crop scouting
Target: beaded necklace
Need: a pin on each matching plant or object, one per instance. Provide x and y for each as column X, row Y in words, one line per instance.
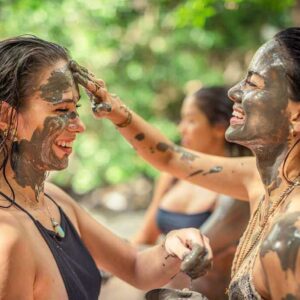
column 247, row 244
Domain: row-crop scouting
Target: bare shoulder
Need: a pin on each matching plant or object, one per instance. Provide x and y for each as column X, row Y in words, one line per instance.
column 16, row 259
column 12, row 233
column 279, row 255
column 60, row 196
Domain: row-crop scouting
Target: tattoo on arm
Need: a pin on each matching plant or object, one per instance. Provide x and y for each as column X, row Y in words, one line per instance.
column 185, row 155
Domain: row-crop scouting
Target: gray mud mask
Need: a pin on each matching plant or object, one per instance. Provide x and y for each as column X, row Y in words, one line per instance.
column 173, row 294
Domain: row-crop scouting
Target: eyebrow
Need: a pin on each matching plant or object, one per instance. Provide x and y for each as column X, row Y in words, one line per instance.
column 250, row 73
column 68, row 101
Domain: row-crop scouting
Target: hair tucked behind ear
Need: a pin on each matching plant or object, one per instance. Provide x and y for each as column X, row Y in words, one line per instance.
column 290, row 39
column 217, row 107
column 22, row 59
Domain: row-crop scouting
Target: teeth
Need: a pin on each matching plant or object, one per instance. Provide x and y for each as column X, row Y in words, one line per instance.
column 238, row 114
column 64, row 144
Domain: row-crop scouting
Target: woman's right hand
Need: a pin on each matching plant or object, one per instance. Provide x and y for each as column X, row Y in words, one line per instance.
column 104, row 104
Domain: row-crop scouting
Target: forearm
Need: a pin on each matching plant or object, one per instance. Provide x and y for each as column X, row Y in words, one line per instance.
column 220, row 174
column 155, row 267
column 147, row 141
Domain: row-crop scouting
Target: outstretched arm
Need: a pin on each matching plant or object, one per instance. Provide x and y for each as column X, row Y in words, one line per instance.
column 222, row 175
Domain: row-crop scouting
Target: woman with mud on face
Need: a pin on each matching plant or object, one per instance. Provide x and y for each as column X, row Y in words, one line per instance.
column 180, row 204
column 266, row 119
column 44, row 234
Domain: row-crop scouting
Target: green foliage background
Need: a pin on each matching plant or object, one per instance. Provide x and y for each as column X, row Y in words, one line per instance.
column 146, row 50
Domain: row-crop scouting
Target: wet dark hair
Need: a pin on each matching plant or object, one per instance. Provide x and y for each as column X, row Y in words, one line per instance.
column 22, row 59
column 213, row 101
column 290, row 39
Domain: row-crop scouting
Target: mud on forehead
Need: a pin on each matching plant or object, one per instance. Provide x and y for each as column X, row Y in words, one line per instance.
column 271, row 54
column 59, row 82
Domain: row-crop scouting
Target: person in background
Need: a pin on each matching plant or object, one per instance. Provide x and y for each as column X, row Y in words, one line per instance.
column 266, row 119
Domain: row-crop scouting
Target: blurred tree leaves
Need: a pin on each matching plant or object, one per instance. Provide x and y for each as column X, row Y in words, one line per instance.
column 146, row 51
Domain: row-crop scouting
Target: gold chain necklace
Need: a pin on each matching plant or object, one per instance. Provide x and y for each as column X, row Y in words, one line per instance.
column 245, row 247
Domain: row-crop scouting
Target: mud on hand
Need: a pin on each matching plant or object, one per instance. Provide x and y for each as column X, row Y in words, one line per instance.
column 102, row 101
column 196, row 263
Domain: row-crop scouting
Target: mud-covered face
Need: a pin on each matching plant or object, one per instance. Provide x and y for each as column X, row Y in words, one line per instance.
column 48, row 122
column 260, row 114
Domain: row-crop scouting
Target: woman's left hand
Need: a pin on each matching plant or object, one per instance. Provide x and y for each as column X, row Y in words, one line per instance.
column 192, row 248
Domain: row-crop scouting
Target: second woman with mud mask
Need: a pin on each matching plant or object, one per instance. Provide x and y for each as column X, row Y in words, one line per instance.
column 266, row 119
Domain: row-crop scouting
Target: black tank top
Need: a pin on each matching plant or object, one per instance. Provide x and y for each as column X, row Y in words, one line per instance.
column 78, row 270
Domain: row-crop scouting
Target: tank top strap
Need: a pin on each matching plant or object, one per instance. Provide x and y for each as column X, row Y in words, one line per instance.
column 49, row 197
column 18, row 206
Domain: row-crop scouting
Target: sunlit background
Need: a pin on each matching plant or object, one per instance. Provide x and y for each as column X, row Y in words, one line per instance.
column 150, row 53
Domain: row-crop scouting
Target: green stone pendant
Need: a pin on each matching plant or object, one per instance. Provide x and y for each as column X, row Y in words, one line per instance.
column 57, row 229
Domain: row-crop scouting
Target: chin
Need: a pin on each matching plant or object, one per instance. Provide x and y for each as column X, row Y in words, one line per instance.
column 238, row 136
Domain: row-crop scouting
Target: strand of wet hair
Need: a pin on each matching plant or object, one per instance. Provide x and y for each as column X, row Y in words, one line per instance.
column 284, row 163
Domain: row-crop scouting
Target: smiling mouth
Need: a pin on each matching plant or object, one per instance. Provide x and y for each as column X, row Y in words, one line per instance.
column 65, row 146
column 238, row 116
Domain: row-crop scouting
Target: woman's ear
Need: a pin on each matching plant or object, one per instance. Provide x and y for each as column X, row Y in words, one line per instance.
column 7, row 113
column 294, row 110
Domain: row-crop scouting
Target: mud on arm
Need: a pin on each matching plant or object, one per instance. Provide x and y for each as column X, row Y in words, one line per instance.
column 222, row 175
column 280, row 258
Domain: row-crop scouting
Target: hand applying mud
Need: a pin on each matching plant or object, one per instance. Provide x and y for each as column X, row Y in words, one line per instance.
column 103, row 103
column 193, row 248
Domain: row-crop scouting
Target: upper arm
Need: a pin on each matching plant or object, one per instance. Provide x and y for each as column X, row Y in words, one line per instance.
column 280, row 257
column 223, row 175
column 15, row 262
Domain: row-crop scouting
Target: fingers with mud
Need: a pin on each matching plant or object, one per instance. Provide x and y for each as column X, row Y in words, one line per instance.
column 95, row 87
column 196, row 263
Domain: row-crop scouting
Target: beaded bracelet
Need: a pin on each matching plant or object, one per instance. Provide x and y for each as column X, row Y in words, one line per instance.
column 128, row 119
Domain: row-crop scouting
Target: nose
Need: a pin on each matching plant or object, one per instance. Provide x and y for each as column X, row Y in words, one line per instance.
column 235, row 93
column 76, row 125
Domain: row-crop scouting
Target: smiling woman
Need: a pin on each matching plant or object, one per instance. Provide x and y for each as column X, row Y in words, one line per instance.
column 54, row 242
column 266, row 119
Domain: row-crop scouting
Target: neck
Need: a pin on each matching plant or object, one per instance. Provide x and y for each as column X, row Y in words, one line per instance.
column 274, row 161
column 26, row 181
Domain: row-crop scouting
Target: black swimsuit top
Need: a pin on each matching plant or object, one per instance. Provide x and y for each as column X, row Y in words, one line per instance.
column 78, row 270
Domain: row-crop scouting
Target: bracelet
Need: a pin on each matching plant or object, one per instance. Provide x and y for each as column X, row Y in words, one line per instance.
column 128, row 119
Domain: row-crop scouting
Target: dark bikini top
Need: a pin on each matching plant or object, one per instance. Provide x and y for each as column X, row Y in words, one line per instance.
column 168, row 220
column 78, row 270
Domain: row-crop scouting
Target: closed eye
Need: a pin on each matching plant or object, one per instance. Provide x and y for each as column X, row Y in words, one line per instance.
column 62, row 110
column 250, row 83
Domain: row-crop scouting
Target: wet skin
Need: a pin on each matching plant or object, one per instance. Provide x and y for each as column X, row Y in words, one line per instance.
column 37, row 153
column 169, row 294
column 196, row 263
column 283, row 239
column 263, row 98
